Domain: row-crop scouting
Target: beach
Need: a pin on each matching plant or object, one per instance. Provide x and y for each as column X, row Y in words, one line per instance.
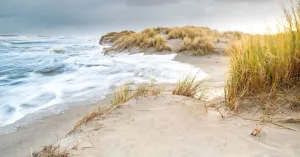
column 164, row 125
column 55, row 127
column 174, row 78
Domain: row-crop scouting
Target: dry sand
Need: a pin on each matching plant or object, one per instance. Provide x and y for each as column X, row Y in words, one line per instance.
column 163, row 126
column 177, row 126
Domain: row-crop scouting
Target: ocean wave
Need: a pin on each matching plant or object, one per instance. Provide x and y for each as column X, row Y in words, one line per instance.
column 51, row 66
column 5, row 44
column 50, row 70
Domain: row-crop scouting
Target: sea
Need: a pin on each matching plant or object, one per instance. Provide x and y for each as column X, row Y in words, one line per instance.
column 49, row 74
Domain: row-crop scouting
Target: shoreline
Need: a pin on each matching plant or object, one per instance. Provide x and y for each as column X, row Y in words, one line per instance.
column 54, row 127
column 44, row 131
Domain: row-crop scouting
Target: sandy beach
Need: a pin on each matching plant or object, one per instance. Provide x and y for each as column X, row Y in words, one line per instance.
column 165, row 125
column 177, row 126
column 55, row 127
column 173, row 78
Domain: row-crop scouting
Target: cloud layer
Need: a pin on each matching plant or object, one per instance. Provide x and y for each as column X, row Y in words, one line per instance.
column 100, row 16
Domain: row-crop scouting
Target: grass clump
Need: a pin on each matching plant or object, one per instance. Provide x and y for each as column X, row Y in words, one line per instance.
column 198, row 45
column 265, row 65
column 199, row 40
column 122, row 95
column 189, row 87
column 190, row 32
column 51, row 151
column 146, row 39
column 113, row 36
column 234, row 35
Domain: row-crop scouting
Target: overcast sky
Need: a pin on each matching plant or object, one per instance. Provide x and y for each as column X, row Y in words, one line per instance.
column 100, row 16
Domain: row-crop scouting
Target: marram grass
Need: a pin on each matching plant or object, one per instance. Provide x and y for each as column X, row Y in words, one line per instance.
column 121, row 95
column 262, row 64
column 149, row 38
column 190, row 87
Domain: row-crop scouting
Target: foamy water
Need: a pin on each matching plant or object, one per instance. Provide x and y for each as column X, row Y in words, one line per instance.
column 39, row 72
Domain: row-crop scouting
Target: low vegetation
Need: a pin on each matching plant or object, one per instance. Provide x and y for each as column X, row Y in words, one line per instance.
column 190, row 87
column 234, row 35
column 51, row 151
column 266, row 67
column 113, row 36
column 149, row 38
column 191, row 32
column 199, row 40
column 121, row 96
column 198, row 45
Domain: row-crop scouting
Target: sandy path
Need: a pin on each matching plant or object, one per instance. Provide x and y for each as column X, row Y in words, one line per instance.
column 177, row 126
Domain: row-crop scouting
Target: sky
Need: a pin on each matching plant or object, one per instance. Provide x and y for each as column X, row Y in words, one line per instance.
column 62, row 17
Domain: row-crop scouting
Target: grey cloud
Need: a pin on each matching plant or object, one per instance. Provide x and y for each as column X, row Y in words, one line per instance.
column 150, row 3
column 44, row 16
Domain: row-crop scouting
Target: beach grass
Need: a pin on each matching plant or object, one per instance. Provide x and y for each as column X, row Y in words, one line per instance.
column 113, row 36
column 233, row 35
column 190, row 87
column 198, row 40
column 149, row 38
column 265, row 65
column 198, row 45
column 190, row 32
column 51, row 151
column 121, row 95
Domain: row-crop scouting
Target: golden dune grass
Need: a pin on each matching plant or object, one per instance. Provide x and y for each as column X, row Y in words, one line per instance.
column 199, row 40
column 198, row 45
column 190, row 32
column 123, row 94
column 113, row 36
column 51, row 151
column 189, row 87
column 265, row 65
column 233, row 35
column 146, row 39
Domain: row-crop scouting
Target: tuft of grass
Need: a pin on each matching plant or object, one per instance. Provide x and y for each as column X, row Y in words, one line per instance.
column 198, row 45
column 234, row 35
column 189, row 87
column 121, row 96
column 113, row 36
column 159, row 43
column 51, row 151
column 265, row 64
column 190, row 32
column 146, row 39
